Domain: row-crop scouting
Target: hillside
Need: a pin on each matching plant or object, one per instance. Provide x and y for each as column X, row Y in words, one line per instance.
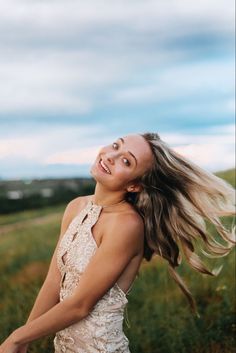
column 158, row 313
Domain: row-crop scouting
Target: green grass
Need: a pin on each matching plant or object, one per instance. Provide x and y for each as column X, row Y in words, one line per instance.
column 228, row 175
column 24, row 259
column 161, row 321
column 28, row 215
column 159, row 315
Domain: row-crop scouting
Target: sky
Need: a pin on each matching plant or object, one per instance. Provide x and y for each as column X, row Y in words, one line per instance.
column 77, row 75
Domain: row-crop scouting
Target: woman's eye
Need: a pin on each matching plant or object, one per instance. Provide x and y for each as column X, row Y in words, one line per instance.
column 115, row 145
column 126, row 161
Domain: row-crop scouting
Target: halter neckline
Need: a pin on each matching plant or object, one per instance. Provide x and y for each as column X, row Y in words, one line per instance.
column 105, row 206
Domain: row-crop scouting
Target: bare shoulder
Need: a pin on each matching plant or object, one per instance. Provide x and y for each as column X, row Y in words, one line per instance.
column 126, row 227
column 72, row 210
column 77, row 204
column 129, row 219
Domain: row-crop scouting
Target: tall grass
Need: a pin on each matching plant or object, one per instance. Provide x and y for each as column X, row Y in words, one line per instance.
column 28, row 215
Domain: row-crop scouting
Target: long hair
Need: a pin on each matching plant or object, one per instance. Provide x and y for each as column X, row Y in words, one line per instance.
column 177, row 198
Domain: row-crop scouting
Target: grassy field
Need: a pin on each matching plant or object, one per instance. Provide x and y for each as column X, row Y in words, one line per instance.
column 159, row 317
column 28, row 215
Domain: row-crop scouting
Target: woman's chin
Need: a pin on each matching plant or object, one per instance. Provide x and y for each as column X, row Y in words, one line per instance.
column 96, row 174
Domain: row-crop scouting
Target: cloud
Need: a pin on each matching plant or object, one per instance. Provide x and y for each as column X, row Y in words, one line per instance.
column 75, row 74
column 50, row 17
column 70, row 56
column 221, row 135
column 230, row 105
column 174, row 83
column 55, row 83
column 38, row 146
column 77, row 156
column 13, row 147
column 210, row 156
column 213, row 151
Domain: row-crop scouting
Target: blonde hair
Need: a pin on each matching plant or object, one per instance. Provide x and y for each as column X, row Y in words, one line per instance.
column 176, row 199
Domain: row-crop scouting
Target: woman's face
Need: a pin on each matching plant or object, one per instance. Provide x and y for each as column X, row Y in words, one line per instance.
column 124, row 160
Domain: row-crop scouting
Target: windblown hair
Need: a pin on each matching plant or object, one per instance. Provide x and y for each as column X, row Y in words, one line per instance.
column 176, row 199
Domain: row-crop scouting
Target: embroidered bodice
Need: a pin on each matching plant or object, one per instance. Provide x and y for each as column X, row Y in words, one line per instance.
column 102, row 330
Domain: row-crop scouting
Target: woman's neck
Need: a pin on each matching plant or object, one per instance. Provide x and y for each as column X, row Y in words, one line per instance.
column 104, row 196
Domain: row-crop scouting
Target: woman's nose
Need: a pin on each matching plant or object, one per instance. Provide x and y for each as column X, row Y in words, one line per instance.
column 111, row 157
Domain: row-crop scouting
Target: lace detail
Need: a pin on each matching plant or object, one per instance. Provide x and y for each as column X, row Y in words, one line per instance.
column 102, row 329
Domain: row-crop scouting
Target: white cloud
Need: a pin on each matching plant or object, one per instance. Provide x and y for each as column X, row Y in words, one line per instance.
column 17, row 147
column 230, row 105
column 220, row 135
column 73, row 156
column 49, row 143
column 73, row 57
column 213, row 151
column 61, row 56
column 142, row 15
column 188, row 80
column 212, row 157
column 56, row 82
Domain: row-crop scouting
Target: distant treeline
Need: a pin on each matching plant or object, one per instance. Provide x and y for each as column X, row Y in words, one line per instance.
column 19, row 195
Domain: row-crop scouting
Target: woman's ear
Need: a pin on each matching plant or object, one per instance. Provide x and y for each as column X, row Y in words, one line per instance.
column 134, row 188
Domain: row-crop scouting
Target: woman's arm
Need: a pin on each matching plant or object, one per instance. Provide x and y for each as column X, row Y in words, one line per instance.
column 48, row 295
column 46, row 299
column 118, row 247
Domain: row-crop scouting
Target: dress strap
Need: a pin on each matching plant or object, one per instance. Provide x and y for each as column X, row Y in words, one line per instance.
column 90, row 213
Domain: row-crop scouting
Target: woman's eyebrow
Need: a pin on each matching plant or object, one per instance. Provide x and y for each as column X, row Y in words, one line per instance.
column 122, row 140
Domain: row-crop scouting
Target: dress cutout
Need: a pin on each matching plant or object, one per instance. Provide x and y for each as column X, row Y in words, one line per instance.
column 101, row 331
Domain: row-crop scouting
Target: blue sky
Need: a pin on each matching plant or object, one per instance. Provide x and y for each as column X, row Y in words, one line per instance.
column 76, row 75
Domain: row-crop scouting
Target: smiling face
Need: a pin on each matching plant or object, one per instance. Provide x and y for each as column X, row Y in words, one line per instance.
column 124, row 160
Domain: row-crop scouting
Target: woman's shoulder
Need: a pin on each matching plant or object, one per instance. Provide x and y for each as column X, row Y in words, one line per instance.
column 130, row 217
column 127, row 220
column 128, row 227
column 74, row 207
column 127, row 215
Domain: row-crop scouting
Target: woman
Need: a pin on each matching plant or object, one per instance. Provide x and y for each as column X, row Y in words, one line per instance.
column 148, row 199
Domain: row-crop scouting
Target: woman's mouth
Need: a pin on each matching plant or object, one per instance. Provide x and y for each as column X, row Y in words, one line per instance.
column 103, row 167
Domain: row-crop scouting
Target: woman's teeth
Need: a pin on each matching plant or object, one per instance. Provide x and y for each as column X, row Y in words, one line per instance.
column 105, row 167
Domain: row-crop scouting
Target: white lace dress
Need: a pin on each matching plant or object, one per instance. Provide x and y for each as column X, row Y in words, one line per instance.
column 102, row 330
